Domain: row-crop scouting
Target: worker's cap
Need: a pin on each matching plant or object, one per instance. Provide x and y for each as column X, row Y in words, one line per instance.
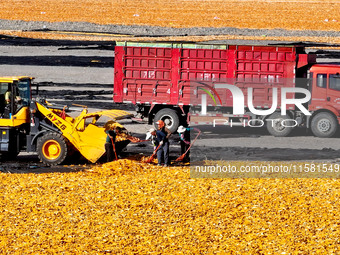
column 181, row 129
column 160, row 123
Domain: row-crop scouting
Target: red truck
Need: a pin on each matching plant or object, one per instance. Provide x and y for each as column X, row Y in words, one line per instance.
column 165, row 81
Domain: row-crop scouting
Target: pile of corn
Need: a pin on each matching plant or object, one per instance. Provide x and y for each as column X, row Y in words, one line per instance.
column 257, row 14
column 126, row 207
column 289, row 14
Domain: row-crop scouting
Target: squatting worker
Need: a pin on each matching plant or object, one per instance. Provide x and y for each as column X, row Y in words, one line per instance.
column 163, row 135
column 111, row 132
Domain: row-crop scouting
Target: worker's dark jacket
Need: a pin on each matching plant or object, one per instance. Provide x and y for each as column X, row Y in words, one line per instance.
column 165, row 134
column 111, row 133
column 161, row 136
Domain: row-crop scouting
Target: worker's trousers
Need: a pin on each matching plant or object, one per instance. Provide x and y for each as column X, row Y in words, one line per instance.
column 163, row 152
column 184, row 148
column 109, row 152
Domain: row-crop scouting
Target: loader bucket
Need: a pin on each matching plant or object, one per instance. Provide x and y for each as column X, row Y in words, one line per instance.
column 91, row 142
column 112, row 114
column 91, row 138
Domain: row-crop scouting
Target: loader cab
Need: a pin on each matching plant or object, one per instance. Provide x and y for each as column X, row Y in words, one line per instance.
column 325, row 87
column 15, row 96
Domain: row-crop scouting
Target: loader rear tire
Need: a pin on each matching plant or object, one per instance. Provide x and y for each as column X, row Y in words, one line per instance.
column 52, row 149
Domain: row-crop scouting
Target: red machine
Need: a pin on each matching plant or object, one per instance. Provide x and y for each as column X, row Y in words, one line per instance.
column 161, row 79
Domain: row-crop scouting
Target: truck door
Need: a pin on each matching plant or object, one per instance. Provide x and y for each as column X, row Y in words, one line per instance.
column 319, row 92
column 3, row 90
column 333, row 91
column 6, row 100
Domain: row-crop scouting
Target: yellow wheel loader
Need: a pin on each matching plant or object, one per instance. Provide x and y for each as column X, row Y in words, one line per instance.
column 38, row 126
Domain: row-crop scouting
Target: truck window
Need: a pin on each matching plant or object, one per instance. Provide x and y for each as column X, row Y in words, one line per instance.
column 24, row 91
column 3, row 87
column 322, row 80
column 334, row 81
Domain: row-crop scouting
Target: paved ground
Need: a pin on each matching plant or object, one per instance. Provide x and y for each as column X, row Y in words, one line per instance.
column 76, row 72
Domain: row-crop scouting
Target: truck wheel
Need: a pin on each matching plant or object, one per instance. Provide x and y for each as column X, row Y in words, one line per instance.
column 52, row 149
column 324, row 125
column 170, row 118
column 275, row 127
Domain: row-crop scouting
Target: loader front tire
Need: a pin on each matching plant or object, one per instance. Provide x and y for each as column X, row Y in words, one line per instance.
column 52, row 149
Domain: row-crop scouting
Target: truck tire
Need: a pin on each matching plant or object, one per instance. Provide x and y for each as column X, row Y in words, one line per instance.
column 170, row 118
column 275, row 126
column 324, row 125
column 52, row 149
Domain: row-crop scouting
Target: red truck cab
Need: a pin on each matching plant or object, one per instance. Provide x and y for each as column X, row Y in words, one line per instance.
column 325, row 101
